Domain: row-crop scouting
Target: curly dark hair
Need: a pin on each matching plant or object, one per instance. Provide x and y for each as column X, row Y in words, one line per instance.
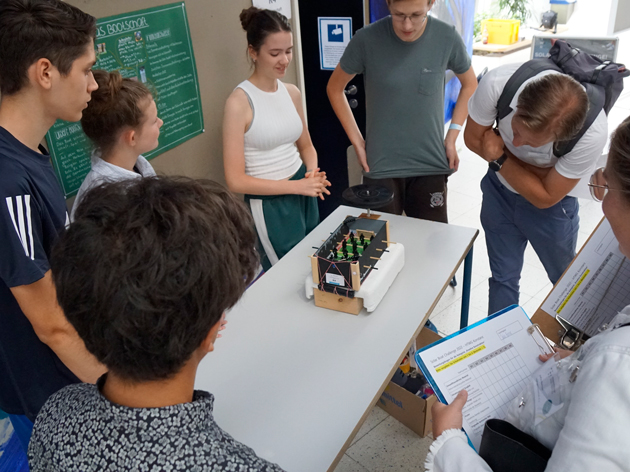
column 33, row 29
column 149, row 266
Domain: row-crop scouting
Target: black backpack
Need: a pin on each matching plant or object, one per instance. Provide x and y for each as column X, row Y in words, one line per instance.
column 603, row 81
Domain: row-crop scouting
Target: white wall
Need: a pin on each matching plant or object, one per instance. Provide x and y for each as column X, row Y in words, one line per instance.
column 593, row 17
column 622, row 21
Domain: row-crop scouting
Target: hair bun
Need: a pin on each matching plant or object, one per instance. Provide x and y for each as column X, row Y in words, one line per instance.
column 115, row 83
column 114, row 105
column 248, row 15
column 109, row 85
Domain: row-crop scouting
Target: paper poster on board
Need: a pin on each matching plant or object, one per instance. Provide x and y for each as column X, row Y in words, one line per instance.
column 281, row 6
column 152, row 46
column 334, row 36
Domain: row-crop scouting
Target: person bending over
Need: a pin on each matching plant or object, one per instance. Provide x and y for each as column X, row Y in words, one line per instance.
column 145, row 273
column 267, row 150
column 526, row 192
column 122, row 122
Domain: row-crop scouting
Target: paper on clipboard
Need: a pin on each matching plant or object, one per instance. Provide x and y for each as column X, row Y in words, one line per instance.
column 492, row 359
column 595, row 286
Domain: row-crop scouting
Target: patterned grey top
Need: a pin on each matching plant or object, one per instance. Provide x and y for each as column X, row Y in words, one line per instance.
column 78, row 429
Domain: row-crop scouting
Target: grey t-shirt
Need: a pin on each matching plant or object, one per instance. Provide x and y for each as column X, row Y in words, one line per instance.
column 404, row 85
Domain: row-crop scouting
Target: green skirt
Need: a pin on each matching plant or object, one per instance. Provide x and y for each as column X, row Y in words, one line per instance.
column 282, row 221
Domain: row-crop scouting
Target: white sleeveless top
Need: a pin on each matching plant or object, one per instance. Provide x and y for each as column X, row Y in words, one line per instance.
column 270, row 151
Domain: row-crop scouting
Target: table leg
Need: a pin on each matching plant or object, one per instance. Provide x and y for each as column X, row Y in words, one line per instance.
column 463, row 321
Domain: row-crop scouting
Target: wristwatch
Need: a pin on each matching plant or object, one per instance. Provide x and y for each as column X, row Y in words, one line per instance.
column 497, row 164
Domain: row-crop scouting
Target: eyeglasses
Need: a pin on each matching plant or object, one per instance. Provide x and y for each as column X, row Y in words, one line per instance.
column 599, row 187
column 414, row 18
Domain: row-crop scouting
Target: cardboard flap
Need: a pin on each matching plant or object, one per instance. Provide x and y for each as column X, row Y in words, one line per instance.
column 407, row 408
column 411, row 410
column 426, row 337
column 428, row 418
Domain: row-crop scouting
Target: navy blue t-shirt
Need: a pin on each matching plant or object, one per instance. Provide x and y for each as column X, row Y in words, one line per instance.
column 32, row 214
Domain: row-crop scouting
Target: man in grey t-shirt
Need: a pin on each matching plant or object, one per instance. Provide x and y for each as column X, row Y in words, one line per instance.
column 403, row 59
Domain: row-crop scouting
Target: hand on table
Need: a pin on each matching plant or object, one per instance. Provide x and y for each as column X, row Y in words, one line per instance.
column 448, row 416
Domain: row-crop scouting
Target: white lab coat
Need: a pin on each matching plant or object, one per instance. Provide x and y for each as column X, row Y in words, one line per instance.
column 591, row 433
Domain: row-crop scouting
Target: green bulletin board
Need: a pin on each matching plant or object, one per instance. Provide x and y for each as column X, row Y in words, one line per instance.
column 154, row 47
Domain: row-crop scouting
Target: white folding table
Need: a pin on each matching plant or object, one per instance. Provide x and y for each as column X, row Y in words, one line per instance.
column 294, row 381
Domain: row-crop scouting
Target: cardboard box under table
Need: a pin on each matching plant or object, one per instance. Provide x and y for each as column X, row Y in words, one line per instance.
column 411, row 410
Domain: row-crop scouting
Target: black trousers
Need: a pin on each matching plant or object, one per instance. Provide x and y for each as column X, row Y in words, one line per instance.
column 419, row 197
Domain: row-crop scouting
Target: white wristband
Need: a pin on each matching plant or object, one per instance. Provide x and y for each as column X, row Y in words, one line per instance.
column 455, row 126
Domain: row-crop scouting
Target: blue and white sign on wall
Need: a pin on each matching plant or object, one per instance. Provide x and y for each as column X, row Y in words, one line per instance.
column 334, row 36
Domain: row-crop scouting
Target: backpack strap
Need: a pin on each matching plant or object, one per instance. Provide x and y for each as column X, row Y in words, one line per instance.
column 526, row 71
column 596, row 98
column 561, row 61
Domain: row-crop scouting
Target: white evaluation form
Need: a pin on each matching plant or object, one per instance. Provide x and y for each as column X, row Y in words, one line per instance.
column 594, row 287
column 491, row 359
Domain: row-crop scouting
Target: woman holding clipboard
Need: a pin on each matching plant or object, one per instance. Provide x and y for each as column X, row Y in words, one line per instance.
column 591, row 430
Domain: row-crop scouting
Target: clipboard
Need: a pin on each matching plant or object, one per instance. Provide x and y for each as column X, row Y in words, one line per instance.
column 492, row 359
column 557, row 327
column 549, row 326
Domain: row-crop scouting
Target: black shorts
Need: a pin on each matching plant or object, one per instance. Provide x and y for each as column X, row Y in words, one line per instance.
column 419, row 197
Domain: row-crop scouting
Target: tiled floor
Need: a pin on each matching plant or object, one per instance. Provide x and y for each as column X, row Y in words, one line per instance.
column 383, row 443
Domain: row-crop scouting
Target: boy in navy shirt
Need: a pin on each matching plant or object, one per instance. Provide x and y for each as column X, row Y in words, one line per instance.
column 146, row 287
column 46, row 56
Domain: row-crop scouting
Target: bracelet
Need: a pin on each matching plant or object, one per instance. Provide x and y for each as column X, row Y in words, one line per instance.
column 455, row 126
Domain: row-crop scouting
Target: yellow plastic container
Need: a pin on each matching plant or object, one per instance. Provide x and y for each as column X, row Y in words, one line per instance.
column 501, row 31
column 404, row 366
